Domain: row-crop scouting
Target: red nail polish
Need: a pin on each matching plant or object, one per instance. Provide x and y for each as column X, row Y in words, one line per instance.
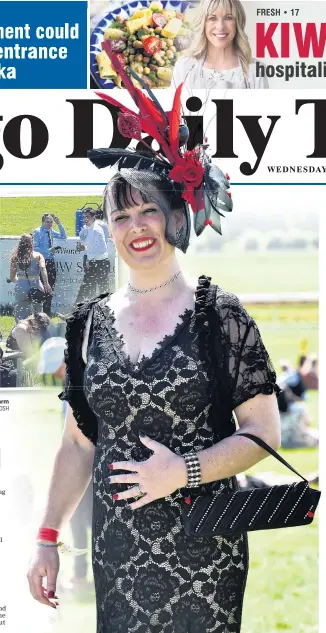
column 310, row 515
column 187, row 500
column 50, row 594
column 229, row 194
column 115, row 496
column 227, row 176
column 111, row 466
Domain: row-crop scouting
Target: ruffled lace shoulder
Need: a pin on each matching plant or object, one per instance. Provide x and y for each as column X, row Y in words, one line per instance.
column 74, row 385
column 241, row 364
column 250, row 368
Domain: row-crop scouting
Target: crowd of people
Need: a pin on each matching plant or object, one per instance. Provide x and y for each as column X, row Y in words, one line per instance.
column 33, row 271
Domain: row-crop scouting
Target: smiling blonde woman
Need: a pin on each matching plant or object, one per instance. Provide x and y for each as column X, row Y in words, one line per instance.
column 220, row 54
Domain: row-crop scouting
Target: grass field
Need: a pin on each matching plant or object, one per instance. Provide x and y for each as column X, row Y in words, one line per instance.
column 23, row 215
column 243, row 272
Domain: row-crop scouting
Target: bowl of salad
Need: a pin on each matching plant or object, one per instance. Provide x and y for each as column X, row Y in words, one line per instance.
column 147, row 37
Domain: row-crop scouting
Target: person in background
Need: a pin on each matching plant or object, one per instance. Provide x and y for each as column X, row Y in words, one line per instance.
column 8, row 369
column 309, row 372
column 51, row 361
column 43, row 242
column 99, row 217
column 27, row 335
column 95, row 240
column 293, row 378
column 296, row 430
column 22, row 345
column 27, row 269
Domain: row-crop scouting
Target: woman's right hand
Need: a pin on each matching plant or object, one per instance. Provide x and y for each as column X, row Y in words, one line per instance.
column 45, row 563
column 47, row 288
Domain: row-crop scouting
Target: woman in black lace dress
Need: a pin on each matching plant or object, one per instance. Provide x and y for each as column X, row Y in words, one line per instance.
column 154, row 373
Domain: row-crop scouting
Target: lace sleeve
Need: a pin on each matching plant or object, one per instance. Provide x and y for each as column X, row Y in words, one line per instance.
column 74, row 385
column 250, row 369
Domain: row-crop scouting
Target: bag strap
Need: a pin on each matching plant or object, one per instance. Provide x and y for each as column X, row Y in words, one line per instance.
column 270, row 450
column 26, row 275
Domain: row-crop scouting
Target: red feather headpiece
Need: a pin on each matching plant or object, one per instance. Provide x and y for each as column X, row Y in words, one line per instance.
column 204, row 184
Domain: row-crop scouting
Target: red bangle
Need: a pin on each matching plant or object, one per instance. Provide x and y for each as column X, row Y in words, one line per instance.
column 47, row 534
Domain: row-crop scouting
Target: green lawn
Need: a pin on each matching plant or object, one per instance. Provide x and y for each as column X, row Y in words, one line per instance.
column 23, row 215
column 288, row 330
column 244, row 272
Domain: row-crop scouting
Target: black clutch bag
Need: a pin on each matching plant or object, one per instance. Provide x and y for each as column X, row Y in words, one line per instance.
column 37, row 295
column 231, row 512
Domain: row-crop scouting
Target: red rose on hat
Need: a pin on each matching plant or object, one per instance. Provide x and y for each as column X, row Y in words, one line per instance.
column 188, row 170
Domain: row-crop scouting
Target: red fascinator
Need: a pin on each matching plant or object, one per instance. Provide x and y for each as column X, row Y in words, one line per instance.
column 204, row 186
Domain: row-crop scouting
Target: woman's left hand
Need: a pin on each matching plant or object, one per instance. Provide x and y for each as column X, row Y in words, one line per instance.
column 156, row 477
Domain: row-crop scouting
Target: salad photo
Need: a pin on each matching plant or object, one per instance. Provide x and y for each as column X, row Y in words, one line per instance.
column 147, row 39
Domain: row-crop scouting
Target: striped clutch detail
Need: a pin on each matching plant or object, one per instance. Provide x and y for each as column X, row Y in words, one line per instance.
column 247, row 510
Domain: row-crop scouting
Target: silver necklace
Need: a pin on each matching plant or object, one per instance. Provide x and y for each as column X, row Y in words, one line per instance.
column 145, row 290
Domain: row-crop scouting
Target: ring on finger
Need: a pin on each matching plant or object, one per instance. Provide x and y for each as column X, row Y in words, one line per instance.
column 139, row 492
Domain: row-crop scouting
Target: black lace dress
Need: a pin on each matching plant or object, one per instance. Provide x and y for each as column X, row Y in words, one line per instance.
column 149, row 576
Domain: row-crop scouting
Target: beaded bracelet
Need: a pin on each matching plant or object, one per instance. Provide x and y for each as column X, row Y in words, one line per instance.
column 63, row 548
column 193, row 469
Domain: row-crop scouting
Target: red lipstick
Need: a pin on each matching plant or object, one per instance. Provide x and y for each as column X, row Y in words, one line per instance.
column 147, row 241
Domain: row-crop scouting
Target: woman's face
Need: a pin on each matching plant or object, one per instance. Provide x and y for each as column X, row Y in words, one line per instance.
column 139, row 233
column 220, row 28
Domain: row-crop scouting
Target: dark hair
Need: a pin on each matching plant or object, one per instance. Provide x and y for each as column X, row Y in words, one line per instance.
column 89, row 210
column 37, row 322
column 46, row 215
column 301, row 360
column 22, row 255
column 121, row 190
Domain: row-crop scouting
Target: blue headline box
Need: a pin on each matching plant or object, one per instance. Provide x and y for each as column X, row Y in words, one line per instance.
column 43, row 44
